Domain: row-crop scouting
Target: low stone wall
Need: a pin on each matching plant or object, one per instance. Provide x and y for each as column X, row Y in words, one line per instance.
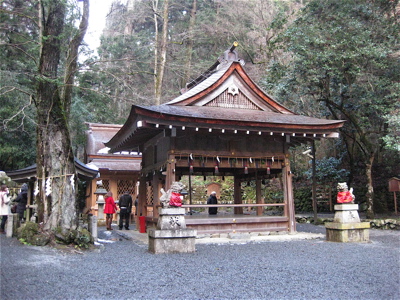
column 310, row 220
column 385, row 224
column 389, row 224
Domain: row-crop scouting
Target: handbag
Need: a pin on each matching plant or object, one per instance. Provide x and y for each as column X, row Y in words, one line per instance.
column 14, row 208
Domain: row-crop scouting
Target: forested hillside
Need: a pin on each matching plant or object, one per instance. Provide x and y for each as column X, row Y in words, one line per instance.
column 322, row 58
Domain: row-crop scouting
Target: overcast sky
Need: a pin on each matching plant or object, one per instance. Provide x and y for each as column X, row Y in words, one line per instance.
column 97, row 19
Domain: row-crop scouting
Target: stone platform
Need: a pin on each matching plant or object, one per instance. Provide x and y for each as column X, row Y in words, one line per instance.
column 346, row 226
column 171, row 234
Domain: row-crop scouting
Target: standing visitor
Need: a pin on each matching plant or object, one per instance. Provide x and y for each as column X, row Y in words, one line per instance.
column 212, row 200
column 125, row 209
column 110, row 208
column 4, row 207
column 22, row 200
column 136, row 204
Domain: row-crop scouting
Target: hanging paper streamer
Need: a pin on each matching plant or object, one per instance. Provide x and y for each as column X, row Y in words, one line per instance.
column 72, row 180
column 190, row 161
column 48, row 186
column 36, row 191
column 216, row 170
column 190, row 167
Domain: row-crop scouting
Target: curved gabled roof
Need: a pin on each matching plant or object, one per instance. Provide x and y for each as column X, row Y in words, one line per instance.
column 229, row 75
column 224, row 98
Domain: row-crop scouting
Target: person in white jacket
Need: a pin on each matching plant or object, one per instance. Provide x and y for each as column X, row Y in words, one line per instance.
column 4, row 207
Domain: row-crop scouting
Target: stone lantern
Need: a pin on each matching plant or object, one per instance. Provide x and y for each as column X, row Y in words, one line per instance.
column 100, row 191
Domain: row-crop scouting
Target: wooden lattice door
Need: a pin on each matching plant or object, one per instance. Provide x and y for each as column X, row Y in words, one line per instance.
column 126, row 185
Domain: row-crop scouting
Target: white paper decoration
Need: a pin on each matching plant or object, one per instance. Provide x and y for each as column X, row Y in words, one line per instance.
column 48, row 186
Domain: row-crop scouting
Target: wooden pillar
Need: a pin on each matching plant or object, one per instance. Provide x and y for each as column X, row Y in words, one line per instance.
column 259, row 200
column 142, row 211
column 237, row 191
column 288, row 193
column 170, row 178
column 29, row 202
column 156, row 194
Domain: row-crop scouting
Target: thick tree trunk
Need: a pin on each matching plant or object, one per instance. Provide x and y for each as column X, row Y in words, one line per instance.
column 72, row 59
column 370, row 188
column 155, row 15
column 55, row 160
column 160, row 66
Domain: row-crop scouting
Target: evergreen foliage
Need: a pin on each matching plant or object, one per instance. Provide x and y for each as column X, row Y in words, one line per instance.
column 326, row 58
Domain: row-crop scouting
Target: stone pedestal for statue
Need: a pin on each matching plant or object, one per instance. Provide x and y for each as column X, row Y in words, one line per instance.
column 101, row 220
column 171, row 235
column 346, row 226
column 92, row 227
column 12, row 225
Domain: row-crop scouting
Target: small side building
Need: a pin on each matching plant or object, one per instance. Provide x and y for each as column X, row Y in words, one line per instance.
column 118, row 172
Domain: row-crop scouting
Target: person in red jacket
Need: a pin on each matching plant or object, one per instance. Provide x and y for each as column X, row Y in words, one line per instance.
column 110, row 208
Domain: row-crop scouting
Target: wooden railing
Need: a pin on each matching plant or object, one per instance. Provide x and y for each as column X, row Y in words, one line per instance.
column 232, row 205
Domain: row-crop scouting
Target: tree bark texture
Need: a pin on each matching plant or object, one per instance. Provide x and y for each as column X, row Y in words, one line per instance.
column 55, row 159
column 72, row 59
column 370, row 188
column 189, row 49
column 161, row 61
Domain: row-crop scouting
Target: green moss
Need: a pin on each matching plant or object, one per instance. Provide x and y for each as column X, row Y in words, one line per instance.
column 29, row 233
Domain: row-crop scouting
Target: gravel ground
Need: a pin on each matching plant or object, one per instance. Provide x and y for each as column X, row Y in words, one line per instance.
column 123, row 269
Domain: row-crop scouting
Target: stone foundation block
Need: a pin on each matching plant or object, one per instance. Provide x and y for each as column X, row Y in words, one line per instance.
column 347, row 232
column 172, row 241
column 12, row 225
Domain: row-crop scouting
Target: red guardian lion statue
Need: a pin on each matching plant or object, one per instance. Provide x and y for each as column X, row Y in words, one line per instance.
column 173, row 197
column 344, row 195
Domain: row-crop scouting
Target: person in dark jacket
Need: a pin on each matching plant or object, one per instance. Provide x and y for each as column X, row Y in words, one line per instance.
column 125, row 206
column 212, row 200
column 22, row 200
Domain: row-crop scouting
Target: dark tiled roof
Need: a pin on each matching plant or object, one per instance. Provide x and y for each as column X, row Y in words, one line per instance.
column 216, row 114
column 29, row 173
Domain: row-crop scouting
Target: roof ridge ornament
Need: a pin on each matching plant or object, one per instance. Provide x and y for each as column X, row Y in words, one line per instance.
column 229, row 55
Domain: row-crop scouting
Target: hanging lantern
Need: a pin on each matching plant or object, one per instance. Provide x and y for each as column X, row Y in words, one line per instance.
column 268, row 170
column 246, row 169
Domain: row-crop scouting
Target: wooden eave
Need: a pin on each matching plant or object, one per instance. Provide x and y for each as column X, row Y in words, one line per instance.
column 29, row 173
column 146, row 122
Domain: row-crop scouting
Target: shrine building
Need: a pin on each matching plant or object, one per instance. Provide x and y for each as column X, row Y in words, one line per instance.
column 222, row 124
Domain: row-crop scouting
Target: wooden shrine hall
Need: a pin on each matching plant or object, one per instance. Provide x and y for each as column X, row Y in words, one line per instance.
column 222, row 124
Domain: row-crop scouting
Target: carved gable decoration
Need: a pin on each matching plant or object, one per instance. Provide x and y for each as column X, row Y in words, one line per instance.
column 233, row 98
